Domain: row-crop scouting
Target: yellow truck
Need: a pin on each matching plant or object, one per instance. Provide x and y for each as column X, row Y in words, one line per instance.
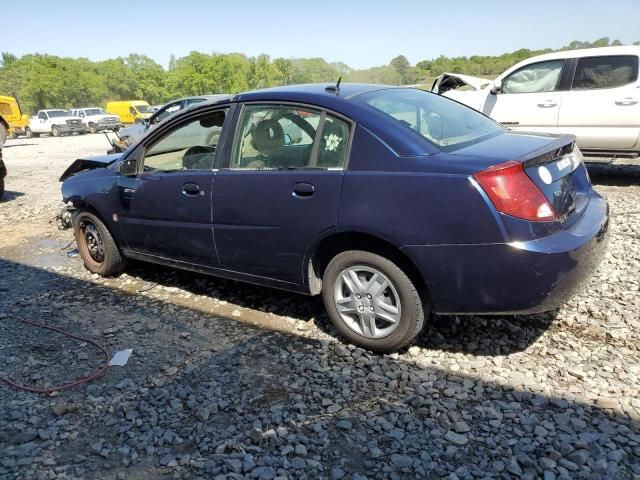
column 10, row 112
column 130, row 111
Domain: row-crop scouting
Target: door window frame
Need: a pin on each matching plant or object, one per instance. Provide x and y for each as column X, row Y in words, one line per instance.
column 158, row 134
column 234, row 137
column 558, row 86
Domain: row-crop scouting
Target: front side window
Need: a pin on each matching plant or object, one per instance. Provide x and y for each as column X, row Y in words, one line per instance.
column 282, row 137
column 534, row 78
column 191, row 146
column 442, row 122
column 605, row 72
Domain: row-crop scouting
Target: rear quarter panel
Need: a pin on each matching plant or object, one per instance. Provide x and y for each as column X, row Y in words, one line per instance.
column 412, row 200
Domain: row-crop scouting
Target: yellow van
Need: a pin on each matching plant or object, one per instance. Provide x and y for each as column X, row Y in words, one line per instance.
column 130, row 111
column 10, row 111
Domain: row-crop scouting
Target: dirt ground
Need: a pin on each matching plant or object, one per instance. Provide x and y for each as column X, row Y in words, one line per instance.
column 228, row 380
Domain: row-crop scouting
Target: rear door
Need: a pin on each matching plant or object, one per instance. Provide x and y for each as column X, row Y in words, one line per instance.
column 165, row 205
column 603, row 106
column 279, row 188
column 530, row 98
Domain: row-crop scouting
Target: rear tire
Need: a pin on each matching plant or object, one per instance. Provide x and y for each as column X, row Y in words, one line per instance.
column 371, row 301
column 97, row 247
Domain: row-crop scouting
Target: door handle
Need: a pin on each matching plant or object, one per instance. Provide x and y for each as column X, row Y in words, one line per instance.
column 191, row 190
column 547, row 104
column 303, row 189
column 626, row 101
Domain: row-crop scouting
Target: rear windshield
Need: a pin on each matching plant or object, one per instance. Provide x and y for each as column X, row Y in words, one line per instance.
column 442, row 122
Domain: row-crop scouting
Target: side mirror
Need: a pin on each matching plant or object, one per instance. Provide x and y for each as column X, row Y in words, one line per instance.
column 128, row 167
column 496, row 87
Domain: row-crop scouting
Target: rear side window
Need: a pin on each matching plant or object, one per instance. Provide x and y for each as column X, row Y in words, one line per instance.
column 605, row 72
column 283, row 137
column 534, row 78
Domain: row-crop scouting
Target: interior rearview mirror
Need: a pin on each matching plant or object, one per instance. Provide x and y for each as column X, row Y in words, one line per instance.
column 496, row 87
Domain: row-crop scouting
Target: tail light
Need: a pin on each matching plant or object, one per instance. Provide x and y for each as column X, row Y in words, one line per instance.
column 514, row 193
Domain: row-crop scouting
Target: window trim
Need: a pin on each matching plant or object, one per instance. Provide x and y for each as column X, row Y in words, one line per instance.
column 314, row 153
column 154, row 139
column 556, row 88
column 577, row 62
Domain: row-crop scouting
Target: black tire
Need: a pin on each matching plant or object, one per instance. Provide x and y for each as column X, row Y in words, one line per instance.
column 55, row 131
column 412, row 312
column 1, row 188
column 111, row 260
column 92, row 128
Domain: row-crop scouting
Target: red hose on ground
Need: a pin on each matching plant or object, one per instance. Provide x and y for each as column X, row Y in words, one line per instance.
column 97, row 374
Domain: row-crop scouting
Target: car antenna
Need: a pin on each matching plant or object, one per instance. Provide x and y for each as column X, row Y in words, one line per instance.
column 335, row 88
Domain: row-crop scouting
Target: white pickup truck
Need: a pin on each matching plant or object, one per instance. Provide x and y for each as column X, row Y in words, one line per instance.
column 592, row 93
column 96, row 119
column 54, row 122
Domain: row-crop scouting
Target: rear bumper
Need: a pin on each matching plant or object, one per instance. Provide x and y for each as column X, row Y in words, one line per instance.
column 519, row 277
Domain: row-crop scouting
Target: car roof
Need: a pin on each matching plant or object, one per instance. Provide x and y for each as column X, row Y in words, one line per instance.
column 346, row 91
column 589, row 52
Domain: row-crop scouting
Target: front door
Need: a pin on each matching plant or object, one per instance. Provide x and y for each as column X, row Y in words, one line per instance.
column 280, row 189
column 165, row 208
column 529, row 99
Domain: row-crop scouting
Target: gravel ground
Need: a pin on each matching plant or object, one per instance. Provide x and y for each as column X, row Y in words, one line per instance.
column 233, row 381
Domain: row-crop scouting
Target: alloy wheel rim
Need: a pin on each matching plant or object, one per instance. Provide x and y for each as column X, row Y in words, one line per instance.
column 367, row 301
column 93, row 241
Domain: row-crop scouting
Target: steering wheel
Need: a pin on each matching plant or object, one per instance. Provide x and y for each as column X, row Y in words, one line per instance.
column 198, row 157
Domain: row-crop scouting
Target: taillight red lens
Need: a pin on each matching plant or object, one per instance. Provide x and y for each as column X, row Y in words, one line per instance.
column 514, row 193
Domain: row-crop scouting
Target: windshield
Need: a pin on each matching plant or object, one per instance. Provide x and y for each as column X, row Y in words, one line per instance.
column 443, row 122
column 58, row 113
column 144, row 108
column 94, row 111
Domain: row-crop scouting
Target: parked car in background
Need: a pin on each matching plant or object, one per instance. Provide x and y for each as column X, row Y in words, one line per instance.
column 16, row 121
column 132, row 134
column 96, row 119
column 593, row 94
column 55, row 122
column 130, row 111
column 394, row 202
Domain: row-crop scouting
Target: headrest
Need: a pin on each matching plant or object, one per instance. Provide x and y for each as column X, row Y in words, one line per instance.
column 268, row 135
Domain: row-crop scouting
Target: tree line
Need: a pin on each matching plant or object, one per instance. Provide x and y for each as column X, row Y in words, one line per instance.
column 48, row 81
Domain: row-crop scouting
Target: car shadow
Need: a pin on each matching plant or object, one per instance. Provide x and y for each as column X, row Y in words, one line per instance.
column 11, row 195
column 620, row 175
column 475, row 335
column 202, row 386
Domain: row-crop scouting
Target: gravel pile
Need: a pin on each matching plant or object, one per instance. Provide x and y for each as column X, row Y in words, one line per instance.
column 231, row 381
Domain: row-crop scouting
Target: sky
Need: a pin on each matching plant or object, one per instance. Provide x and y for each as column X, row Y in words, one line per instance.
column 359, row 33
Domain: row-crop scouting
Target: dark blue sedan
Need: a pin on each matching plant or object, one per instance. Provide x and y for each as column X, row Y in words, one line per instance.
column 390, row 202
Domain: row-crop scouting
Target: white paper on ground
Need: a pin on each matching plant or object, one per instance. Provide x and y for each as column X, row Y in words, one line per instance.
column 120, row 358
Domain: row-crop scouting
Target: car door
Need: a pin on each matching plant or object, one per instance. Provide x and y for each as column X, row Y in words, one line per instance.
column 603, row 106
column 529, row 98
column 165, row 204
column 279, row 188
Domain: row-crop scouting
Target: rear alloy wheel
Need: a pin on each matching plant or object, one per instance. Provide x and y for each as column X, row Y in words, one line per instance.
column 92, row 128
column 98, row 250
column 55, row 131
column 371, row 301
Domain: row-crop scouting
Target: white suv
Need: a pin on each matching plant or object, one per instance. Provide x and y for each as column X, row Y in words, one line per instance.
column 593, row 94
